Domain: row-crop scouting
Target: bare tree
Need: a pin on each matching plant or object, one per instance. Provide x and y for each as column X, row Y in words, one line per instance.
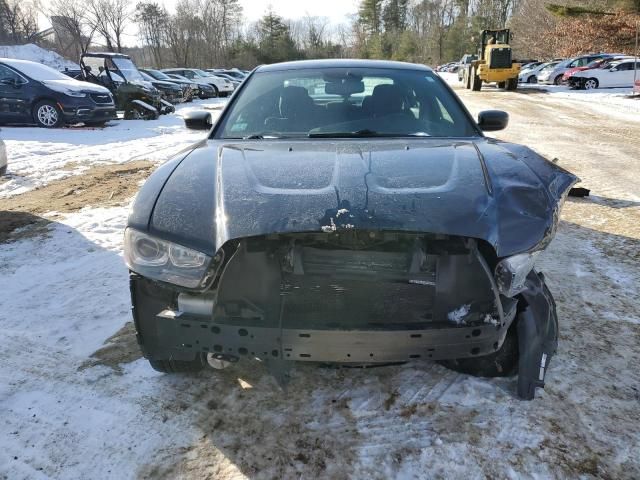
column 18, row 21
column 73, row 30
column 110, row 18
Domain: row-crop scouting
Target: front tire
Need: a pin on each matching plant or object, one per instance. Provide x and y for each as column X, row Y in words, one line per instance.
column 512, row 84
column 591, row 84
column 503, row 363
column 476, row 81
column 557, row 80
column 532, row 79
column 179, row 366
column 216, row 92
column 47, row 114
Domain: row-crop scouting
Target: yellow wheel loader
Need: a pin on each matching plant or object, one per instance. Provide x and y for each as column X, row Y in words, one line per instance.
column 494, row 62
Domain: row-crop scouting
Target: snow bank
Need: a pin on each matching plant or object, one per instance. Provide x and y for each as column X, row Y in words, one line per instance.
column 38, row 156
column 37, row 54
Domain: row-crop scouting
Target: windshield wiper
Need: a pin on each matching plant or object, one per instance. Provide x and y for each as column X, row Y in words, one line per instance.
column 260, row 136
column 364, row 133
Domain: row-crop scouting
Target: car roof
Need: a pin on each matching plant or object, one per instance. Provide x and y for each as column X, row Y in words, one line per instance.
column 341, row 63
column 105, row 55
column 15, row 63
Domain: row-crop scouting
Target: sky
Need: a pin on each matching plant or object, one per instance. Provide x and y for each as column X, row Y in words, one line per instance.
column 336, row 10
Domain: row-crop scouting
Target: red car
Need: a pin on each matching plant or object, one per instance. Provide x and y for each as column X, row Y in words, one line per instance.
column 636, row 87
column 568, row 77
column 599, row 63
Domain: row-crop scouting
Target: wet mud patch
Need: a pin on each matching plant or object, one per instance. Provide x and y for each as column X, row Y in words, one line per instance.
column 108, row 185
column 18, row 225
column 120, row 348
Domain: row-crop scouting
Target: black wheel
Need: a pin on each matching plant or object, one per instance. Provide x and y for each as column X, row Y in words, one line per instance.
column 216, row 92
column 557, row 80
column 179, row 366
column 512, row 84
column 502, row 84
column 503, row 363
column 532, row 79
column 3, row 170
column 95, row 124
column 467, row 80
column 47, row 114
column 591, row 83
column 476, row 81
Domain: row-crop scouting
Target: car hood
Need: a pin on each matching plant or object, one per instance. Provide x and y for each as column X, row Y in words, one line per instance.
column 74, row 85
column 501, row 193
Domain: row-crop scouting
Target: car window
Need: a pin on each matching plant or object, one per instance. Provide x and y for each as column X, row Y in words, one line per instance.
column 343, row 101
column 126, row 68
column 8, row 74
column 38, row 72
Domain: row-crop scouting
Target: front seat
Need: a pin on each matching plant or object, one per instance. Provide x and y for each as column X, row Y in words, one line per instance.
column 386, row 99
column 297, row 107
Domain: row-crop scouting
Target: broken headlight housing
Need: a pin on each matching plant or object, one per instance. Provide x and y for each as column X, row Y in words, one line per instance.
column 166, row 261
column 511, row 273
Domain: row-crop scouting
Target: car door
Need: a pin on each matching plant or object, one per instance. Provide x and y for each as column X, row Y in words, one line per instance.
column 621, row 75
column 15, row 101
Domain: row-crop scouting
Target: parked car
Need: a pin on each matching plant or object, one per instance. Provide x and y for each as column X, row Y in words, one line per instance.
column 328, row 218
column 221, row 86
column 189, row 88
column 170, row 91
column 530, row 75
column 618, row 74
column 201, row 89
column 464, row 61
column 604, row 62
column 233, row 80
column 135, row 96
column 34, row 93
column 237, row 74
column 3, row 158
column 554, row 75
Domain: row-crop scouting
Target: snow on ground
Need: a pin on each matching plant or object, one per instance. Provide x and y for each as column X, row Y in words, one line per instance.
column 37, row 156
column 77, row 401
column 617, row 102
column 37, row 54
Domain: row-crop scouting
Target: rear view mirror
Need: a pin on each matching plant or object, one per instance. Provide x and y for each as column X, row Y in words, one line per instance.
column 198, row 120
column 493, row 120
column 344, row 88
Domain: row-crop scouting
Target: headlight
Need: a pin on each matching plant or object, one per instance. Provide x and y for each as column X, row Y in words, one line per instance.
column 71, row 93
column 511, row 273
column 168, row 261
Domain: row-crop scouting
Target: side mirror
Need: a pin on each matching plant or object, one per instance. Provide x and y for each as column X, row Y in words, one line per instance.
column 198, row 120
column 493, row 120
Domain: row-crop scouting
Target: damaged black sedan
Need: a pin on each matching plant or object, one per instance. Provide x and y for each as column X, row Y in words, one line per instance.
column 349, row 212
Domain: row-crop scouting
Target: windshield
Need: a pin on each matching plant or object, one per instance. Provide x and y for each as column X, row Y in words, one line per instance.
column 158, row 75
column 346, row 102
column 127, row 69
column 39, row 72
column 201, row 73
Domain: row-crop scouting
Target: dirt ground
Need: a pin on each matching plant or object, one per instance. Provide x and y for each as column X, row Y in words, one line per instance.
column 414, row 421
column 103, row 186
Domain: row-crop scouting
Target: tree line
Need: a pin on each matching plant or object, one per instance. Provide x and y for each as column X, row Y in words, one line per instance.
column 207, row 33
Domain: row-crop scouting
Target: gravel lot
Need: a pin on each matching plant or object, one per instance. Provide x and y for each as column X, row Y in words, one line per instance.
column 77, row 401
